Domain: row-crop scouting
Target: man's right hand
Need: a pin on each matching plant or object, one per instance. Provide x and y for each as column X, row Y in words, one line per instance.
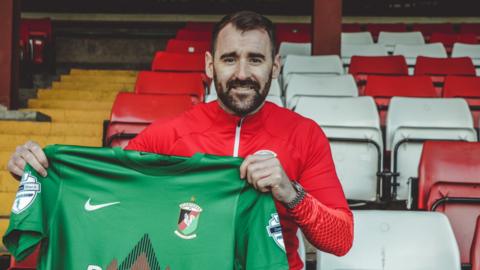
column 30, row 153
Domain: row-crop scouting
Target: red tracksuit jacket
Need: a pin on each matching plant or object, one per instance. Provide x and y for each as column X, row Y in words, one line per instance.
column 300, row 145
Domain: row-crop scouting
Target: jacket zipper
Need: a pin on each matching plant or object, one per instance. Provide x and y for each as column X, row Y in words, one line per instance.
column 236, row 145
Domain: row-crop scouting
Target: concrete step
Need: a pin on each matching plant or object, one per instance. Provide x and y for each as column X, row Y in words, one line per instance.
column 50, row 129
column 75, row 116
column 99, row 78
column 93, row 86
column 69, row 104
column 10, row 142
column 99, row 72
column 7, row 201
column 7, row 182
column 76, row 95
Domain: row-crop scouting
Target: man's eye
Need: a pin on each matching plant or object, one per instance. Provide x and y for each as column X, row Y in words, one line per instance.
column 256, row 60
column 228, row 60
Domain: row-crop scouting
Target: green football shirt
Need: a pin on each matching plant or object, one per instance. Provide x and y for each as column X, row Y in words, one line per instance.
column 104, row 208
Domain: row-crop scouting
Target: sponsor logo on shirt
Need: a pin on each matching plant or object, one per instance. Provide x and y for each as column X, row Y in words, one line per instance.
column 274, row 230
column 188, row 220
column 27, row 192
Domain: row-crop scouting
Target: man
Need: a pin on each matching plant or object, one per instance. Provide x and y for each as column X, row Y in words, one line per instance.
column 285, row 153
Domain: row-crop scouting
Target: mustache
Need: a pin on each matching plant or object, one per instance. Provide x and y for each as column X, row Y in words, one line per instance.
column 247, row 83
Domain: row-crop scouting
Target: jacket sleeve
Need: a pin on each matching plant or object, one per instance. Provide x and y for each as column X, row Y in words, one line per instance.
column 323, row 215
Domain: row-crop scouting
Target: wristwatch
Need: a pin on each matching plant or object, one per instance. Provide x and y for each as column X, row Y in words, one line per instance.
column 298, row 198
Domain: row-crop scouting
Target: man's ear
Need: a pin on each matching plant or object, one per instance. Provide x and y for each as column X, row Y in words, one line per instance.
column 276, row 66
column 209, row 64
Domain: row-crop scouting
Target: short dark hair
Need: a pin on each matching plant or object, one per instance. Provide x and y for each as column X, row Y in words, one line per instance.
column 245, row 21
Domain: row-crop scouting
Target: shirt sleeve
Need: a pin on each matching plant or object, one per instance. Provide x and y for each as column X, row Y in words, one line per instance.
column 323, row 216
column 32, row 212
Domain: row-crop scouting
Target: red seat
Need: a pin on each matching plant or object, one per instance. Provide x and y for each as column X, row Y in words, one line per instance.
column 171, row 83
column 200, row 26
column 467, row 88
column 29, row 263
column 297, row 37
column 131, row 113
column 178, row 62
column 449, row 182
column 473, row 28
column 448, row 39
column 187, row 34
column 351, row 27
column 375, row 28
column 38, row 38
column 187, row 46
column 475, row 249
column 439, row 68
column 428, row 29
column 363, row 66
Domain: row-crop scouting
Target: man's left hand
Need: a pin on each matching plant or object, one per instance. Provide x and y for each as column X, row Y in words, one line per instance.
column 266, row 174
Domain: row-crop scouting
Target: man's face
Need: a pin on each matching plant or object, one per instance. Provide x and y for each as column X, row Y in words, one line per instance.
column 242, row 69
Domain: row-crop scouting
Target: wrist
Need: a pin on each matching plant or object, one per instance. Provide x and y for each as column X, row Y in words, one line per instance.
column 299, row 195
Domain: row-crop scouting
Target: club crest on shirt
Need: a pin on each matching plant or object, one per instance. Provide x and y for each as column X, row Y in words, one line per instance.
column 274, row 230
column 188, row 220
column 27, row 192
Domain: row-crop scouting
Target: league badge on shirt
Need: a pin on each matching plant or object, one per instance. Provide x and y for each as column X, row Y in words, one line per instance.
column 26, row 194
column 188, row 220
column 274, row 230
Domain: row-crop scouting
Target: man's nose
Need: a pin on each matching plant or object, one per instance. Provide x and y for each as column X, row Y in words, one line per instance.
column 243, row 71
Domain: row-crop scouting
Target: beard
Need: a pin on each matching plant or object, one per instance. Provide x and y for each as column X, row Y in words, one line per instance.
column 246, row 102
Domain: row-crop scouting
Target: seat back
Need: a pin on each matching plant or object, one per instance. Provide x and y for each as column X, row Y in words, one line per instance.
column 178, row 62
column 411, row 52
column 399, row 86
column 375, row 28
column 428, row 29
column 171, row 83
column 462, row 86
column 353, row 128
column 356, row 38
column 468, row 50
column 390, row 39
column 397, row 240
column 378, row 65
column 448, row 39
column 187, row 46
column 349, row 50
column 292, row 48
column 311, row 65
column 131, row 113
column 410, row 121
column 433, row 66
column 336, row 86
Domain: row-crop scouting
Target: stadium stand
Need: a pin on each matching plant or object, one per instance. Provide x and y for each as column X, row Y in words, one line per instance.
column 428, row 29
column 293, row 48
column 187, row 46
column 335, row 86
column 351, row 27
column 376, row 28
column 391, row 39
column 188, row 34
column 347, row 51
column 294, row 37
column 448, row 182
column 448, row 39
column 311, row 65
column 353, row 129
column 467, row 88
column 37, row 39
column 178, row 62
column 131, row 113
column 397, row 240
column 411, row 52
column 171, row 83
column 356, row 38
column 470, row 28
column 411, row 121
column 468, row 50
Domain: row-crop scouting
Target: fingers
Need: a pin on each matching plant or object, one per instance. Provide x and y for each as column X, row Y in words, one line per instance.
column 250, row 160
column 31, row 159
column 30, row 153
column 14, row 168
column 38, row 153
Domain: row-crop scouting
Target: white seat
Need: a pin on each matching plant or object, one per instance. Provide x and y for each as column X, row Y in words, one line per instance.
column 347, row 51
column 352, row 125
column 397, row 240
column 275, row 89
column 470, row 50
column 336, row 86
column 390, row 39
column 274, row 99
column 311, row 65
column 412, row 51
column 422, row 118
column 291, row 48
column 357, row 38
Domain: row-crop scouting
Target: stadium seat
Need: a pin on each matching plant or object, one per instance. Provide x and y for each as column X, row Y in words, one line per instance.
column 411, row 52
column 171, row 83
column 391, row 39
column 448, row 39
column 411, row 121
column 351, row 27
column 448, row 182
column 295, row 37
column 353, row 129
column 334, row 86
column 131, row 113
column 363, row 66
column 274, row 99
column 439, row 68
column 428, row 29
column 475, row 249
column 397, row 240
column 187, row 46
column 375, row 28
column 311, row 65
column 275, row 89
column 468, row 50
column 467, row 88
column 189, row 34
column 356, row 38
column 470, row 28
column 292, row 48
column 37, row 40
column 178, row 62
column 347, row 51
